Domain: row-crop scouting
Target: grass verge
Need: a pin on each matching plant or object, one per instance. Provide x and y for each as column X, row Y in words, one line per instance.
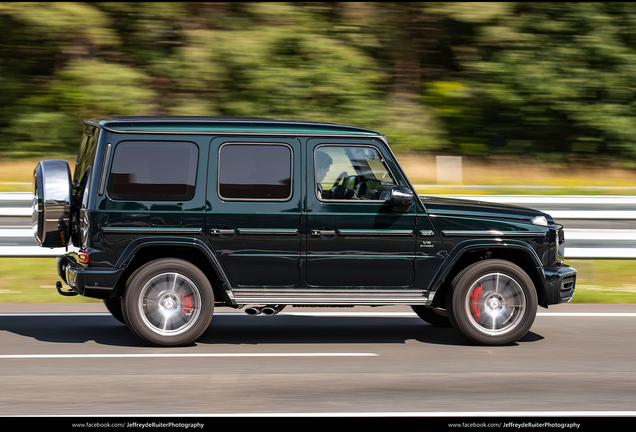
column 16, row 175
column 32, row 280
column 604, row 281
column 519, row 176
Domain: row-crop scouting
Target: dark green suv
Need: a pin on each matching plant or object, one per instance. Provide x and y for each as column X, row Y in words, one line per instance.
column 170, row 217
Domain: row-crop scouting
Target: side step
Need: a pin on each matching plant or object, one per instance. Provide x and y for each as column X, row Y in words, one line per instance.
column 332, row 297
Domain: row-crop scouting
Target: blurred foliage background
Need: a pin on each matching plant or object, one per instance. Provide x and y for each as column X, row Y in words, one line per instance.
column 547, row 80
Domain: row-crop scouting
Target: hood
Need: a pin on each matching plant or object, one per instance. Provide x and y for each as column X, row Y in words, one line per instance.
column 480, row 209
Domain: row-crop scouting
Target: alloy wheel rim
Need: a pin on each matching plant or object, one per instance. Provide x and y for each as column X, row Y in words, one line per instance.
column 495, row 304
column 169, row 304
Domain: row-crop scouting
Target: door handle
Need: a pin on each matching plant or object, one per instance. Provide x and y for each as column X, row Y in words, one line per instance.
column 323, row 232
column 222, row 231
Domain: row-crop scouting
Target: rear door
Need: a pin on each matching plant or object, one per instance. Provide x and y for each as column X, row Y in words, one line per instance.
column 253, row 218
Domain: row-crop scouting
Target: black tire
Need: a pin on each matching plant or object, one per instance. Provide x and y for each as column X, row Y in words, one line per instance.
column 492, row 302
column 114, row 307
column 168, row 302
column 437, row 317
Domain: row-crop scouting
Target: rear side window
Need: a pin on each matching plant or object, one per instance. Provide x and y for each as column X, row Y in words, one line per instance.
column 255, row 172
column 86, row 154
column 153, row 171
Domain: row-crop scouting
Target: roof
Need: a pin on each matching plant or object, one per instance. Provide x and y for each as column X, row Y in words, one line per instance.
column 168, row 124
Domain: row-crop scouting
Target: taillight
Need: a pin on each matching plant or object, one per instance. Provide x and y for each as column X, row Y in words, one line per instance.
column 82, row 257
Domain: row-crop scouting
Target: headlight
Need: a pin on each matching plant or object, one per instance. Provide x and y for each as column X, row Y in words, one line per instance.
column 540, row 220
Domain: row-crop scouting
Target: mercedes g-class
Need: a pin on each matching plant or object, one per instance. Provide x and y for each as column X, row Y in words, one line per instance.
column 170, row 217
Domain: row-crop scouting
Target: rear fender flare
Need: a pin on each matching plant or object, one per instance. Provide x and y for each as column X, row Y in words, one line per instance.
column 140, row 244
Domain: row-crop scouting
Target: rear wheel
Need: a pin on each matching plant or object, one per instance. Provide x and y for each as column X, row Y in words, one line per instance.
column 168, row 302
column 492, row 302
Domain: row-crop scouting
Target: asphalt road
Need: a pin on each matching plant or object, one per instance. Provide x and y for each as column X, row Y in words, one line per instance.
column 77, row 360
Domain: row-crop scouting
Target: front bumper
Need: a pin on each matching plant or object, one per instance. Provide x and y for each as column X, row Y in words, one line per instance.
column 561, row 282
column 87, row 281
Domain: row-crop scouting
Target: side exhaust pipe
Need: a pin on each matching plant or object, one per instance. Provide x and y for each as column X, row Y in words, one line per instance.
column 269, row 310
column 253, row 310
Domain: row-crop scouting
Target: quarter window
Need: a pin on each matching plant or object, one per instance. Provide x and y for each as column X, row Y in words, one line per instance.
column 255, row 172
column 153, row 171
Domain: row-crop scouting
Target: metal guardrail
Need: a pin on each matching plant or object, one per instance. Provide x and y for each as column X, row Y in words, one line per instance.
column 597, row 227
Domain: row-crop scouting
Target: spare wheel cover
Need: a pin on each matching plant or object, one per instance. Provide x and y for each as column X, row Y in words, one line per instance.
column 52, row 203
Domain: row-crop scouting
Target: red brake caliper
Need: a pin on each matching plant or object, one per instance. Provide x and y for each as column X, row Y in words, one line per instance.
column 186, row 303
column 475, row 302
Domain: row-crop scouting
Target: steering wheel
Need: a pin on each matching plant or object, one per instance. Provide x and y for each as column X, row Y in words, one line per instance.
column 339, row 190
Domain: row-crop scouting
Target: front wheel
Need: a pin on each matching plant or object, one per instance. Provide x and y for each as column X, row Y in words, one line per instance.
column 492, row 302
column 168, row 302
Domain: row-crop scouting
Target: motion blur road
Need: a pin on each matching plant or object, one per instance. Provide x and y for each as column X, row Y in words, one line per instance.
column 76, row 359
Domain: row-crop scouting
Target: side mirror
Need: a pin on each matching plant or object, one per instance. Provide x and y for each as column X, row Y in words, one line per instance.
column 401, row 196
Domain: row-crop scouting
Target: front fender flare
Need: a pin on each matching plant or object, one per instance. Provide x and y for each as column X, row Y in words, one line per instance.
column 500, row 245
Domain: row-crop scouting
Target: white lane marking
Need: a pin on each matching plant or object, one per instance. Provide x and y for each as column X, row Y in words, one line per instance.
column 318, row 314
column 159, row 355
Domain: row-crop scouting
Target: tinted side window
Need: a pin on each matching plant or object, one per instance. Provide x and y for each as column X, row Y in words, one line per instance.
column 153, row 171
column 86, row 154
column 255, row 172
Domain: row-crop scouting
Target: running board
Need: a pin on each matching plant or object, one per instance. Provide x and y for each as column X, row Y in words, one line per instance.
column 339, row 297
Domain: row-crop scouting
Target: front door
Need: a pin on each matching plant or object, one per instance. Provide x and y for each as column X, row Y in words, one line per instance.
column 254, row 215
column 355, row 238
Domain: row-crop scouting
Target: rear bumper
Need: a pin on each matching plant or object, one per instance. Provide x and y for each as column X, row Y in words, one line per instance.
column 87, row 281
column 561, row 282
column 71, row 273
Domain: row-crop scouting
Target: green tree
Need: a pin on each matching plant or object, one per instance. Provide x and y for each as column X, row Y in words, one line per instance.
column 545, row 78
column 454, row 77
column 51, row 119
